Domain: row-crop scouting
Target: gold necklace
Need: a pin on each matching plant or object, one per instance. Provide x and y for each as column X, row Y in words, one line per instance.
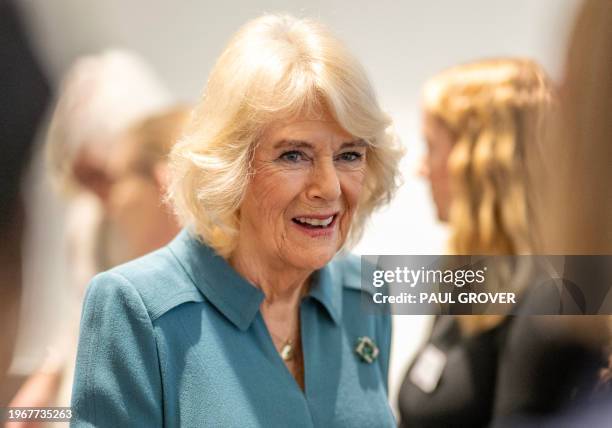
column 287, row 350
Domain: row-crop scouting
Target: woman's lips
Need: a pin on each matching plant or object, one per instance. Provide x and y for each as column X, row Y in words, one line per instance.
column 316, row 225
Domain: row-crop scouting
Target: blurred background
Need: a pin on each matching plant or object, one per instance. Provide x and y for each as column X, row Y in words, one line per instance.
column 401, row 44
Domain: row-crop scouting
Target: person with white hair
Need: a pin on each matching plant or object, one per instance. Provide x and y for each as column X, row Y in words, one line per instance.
column 101, row 96
column 250, row 316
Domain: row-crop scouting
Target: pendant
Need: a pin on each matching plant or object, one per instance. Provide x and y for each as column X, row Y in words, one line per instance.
column 286, row 352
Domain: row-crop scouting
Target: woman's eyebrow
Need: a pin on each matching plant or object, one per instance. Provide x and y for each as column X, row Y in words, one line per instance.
column 296, row 144
column 300, row 144
column 352, row 144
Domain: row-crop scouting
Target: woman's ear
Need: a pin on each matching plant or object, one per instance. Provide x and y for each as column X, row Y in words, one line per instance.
column 161, row 175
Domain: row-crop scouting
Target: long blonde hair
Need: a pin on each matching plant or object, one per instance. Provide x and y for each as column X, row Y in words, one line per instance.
column 494, row 110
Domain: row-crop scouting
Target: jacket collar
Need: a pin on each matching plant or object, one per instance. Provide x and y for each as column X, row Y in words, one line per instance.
column 326, row 288
column 236, row 298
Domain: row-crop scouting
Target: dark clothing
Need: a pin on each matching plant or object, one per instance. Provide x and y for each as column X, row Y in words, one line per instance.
column 22, row 103
column 464, row 394
column 527, row 365
column 24, row 98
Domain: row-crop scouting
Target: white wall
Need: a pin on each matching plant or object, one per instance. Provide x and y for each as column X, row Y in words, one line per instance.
column 401, row 43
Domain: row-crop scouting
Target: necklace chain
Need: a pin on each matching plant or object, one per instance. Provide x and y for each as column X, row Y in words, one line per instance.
column 287, row 350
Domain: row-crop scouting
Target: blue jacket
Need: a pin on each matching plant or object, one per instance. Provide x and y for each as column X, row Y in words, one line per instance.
column 176, row 338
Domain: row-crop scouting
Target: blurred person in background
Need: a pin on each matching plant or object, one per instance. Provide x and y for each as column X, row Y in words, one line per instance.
column 138, row 172
column 573, row 173
column 25, row 93
column 100, row 97
column 571, row 197
column 479, row 118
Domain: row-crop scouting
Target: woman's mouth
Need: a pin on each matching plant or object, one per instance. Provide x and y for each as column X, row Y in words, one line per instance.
column 316, row 225
column 314, row 222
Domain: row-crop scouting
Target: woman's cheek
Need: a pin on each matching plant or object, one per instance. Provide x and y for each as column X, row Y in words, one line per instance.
column 274, row 187
column 352, row 187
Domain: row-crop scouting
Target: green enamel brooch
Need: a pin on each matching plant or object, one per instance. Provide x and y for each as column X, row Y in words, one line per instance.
column 366, row 349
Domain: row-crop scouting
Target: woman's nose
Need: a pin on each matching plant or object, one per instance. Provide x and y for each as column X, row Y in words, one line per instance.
column 324, row 183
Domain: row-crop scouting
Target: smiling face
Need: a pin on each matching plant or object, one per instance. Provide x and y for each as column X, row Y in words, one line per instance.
column 299, row 205
column 434, row 166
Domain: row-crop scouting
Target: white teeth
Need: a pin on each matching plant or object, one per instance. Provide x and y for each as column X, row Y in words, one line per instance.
column 316, row 222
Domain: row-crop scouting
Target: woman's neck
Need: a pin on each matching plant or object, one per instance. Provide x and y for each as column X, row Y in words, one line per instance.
column 281, row 285
column 283, row 288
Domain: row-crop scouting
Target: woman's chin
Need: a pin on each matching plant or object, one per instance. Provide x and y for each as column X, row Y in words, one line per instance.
column 313, row 259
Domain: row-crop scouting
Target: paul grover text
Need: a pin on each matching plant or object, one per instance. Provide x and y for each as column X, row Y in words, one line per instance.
column 445, row 298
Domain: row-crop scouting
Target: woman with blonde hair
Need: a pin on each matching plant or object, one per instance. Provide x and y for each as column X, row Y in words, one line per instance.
column 479, row 119
column 248, row 318
column 138, row 171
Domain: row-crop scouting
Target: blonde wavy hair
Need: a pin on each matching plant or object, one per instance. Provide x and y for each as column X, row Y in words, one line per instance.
column 494, row 109
column 149, row 141
column 275, row 68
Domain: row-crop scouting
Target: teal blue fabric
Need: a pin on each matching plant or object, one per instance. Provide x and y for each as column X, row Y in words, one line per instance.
column 176, row 338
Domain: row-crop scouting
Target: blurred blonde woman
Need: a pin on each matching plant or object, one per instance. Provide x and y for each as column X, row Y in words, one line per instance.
column 485, row 114
column 100, row 97
column 478, row 120
column 138, row 172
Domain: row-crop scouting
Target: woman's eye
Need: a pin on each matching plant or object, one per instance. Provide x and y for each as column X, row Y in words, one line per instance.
column 292, row 156
column 350, row 156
